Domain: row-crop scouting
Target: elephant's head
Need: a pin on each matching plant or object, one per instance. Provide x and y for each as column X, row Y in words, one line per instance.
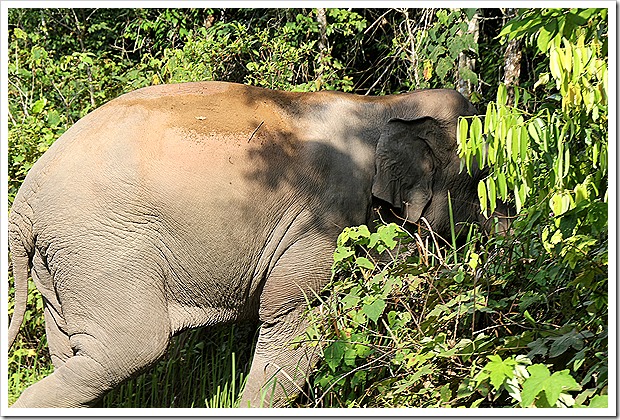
column 417, row 164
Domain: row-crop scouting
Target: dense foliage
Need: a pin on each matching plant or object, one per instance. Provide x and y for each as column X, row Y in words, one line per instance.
column 408, row 320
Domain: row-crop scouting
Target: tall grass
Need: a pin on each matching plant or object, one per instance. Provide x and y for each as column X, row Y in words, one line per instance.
column 203, row 368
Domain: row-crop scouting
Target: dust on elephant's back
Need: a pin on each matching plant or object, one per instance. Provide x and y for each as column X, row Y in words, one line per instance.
column 212, row 138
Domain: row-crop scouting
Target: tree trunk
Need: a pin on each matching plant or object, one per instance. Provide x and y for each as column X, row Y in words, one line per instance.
column 512, row 61
column 321, row 19
column 467, row 62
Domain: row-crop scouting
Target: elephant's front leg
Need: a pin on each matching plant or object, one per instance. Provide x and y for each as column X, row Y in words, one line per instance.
column 281, row 363
column 283, row 359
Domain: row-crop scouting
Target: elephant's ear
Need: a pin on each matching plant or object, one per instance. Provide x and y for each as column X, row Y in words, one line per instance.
column 404, row 166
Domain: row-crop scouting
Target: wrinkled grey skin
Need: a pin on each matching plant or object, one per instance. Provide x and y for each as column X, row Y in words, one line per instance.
column 189, row 205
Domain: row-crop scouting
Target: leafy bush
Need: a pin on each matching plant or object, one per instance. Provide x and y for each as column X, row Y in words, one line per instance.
column 519, row 321
column 420, row 329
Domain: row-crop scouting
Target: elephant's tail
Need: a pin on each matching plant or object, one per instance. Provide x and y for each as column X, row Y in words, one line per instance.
column 20, row 256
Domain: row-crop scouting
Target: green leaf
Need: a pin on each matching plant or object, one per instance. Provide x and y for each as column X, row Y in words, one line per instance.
column 490, row 119
column 541, row 381
column 529, row 318
column 37, row 107
column 514, row 138
column 545, row 34
column 359, row 232
column 599, row 401
column 374, row 310
column 445, row 393
column 342, row 253
column 334, row 354
column 19, row 34
column 499, row 370
column 389, row 233
column 523, row 143
column 492, row 194
column 562, row 343
column 343, row 238
column 559, row 203
column 349, row 357
column 462, row 134
column 364, row 263
column 502, row 186
column 482, row 195
column 502, row 95
column 53, row 118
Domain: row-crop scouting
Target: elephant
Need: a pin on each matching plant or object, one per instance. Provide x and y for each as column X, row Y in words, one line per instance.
column 188, row 205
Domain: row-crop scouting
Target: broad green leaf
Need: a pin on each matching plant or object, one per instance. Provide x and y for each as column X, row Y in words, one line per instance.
column 334, row 354
column 342, row 253
column 581, row 193
column 445, row 393
column 388, row 234
column 19, row 33
column 499, row 370
column 374, row 310
column 544, row 35
column 556, row 204
column 53, row 118
column 599, row 401
column 561, row 344
column 349, row 357
column 374, row 239
column 474, row 260
column 360, row 232
column 344, row 236
column 541, row 380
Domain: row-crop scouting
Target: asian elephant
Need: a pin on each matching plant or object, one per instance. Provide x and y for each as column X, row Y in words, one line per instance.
column 187, row 205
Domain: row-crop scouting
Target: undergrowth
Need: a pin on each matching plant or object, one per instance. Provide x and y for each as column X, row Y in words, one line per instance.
column 410, row 324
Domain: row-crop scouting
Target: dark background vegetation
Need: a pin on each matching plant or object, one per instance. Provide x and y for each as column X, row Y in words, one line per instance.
column 499, row 322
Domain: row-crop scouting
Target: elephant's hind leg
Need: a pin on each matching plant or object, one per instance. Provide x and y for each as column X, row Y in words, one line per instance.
column 77, row 383
column 96, row 367
column 111, row 336
column 57, row 340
